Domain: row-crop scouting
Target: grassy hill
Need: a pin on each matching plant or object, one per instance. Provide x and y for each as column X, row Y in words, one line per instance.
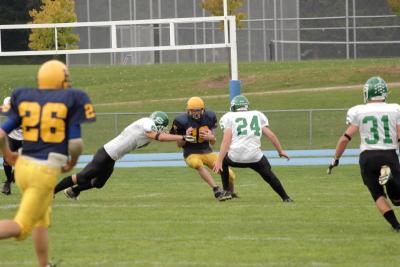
column 269, row 86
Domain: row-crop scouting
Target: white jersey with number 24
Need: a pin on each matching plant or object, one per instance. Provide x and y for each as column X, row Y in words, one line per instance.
column 377, row 123
column 246, row 127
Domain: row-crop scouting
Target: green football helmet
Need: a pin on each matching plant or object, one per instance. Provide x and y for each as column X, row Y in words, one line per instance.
column 239, row 103
column 375, row 89
column 160, row 120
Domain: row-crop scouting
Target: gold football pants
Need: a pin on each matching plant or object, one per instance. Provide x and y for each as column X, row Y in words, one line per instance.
column 196, row 161
column 36, row 180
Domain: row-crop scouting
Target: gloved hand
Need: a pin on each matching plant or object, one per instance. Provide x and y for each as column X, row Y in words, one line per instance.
column 189, row 138
column 334, row 163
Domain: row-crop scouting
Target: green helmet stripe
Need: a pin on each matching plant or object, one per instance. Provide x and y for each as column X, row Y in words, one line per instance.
column 239, row 102
column 160, row 119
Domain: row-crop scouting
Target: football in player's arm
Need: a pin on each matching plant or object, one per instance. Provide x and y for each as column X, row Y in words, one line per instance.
column 50, row 118
column 200, row 123
column 136, row 135
column 378, row 124
column 241, row 146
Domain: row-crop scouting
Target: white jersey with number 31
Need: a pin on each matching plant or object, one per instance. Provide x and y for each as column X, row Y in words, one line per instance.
column 246, row 129
column 377, row 123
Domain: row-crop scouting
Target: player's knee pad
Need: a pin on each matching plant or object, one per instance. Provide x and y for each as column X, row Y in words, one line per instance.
column 194, row 162
column 98, row 183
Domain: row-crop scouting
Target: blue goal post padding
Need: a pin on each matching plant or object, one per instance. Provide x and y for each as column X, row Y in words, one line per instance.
column 234, row 88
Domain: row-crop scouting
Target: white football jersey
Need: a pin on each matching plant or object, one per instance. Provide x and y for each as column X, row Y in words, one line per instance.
column 246, row 127
column 377, row 124
column 132, row 137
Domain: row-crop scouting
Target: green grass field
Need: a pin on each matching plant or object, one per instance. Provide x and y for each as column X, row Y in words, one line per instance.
column 167, row 87
column 168, row 217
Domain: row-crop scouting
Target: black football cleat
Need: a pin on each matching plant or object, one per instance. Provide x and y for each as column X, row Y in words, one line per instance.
column 217, row 192
column 6, row 188
column 235, row 195
column 69, row 193
column 288, row 199
column 226, row 195
column 54, row 264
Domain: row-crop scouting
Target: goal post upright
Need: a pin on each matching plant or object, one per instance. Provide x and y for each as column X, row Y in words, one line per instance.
column 229, row 42
column 230, row 37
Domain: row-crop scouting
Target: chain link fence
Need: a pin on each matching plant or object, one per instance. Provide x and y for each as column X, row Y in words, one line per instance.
column 296, row 129
column 273, row 30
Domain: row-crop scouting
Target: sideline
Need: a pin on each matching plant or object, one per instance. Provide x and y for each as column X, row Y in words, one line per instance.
column 298, row 158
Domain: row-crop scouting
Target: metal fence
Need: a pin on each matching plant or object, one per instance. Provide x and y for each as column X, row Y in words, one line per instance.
column 273, row 30
column 297, row 129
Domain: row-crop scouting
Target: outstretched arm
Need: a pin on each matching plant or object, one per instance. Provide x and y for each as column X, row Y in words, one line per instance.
column 162, row 137
column 181, row 143
column 267, row 132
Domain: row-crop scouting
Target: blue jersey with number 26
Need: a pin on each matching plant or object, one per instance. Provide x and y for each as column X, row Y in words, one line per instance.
column 45, row 117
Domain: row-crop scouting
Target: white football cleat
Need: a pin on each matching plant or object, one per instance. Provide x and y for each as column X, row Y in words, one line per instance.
column 385, row 174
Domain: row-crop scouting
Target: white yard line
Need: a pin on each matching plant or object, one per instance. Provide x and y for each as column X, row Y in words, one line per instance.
column 282, row 91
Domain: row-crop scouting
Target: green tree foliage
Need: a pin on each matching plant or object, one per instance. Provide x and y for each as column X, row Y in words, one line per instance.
column 216, row 8
column 395, row 6
column 53, row 11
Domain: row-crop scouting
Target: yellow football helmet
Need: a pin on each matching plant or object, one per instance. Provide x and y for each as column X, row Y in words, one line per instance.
column 195, row 103
column 53, row 74
column 195, row 107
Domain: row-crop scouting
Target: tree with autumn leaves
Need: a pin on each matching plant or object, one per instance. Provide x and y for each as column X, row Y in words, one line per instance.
column 53, row 11
column 395, row 6
column 216, row 8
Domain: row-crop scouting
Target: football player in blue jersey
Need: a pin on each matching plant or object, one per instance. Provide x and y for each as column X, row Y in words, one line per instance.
column 200, row 123
column 50, row 118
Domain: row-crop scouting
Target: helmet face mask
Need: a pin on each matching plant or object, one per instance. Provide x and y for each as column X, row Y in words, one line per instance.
column 240, row 103
column 196, row 114
column 195, row 108
column 53, row 74
column 375, row 89
column 160, row 120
